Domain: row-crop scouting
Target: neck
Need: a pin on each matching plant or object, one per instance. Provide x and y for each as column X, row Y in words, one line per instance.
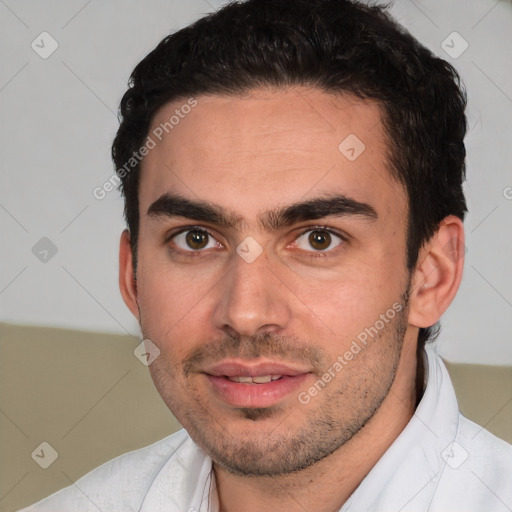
column 326, row 485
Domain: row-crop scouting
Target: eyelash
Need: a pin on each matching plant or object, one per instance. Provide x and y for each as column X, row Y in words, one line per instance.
column 310, row 254
column 323, row 254
column 189, row 254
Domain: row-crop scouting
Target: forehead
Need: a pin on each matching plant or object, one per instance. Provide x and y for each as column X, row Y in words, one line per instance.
column 267, row 148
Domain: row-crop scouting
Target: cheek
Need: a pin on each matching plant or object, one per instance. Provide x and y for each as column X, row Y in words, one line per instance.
column 170, row 292
column 176, row 308
column 344, row 302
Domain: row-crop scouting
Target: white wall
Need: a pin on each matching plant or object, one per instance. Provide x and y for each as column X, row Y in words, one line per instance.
column 58, row 118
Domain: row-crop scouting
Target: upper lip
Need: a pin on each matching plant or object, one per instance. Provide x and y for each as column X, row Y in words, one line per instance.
column 232, row 368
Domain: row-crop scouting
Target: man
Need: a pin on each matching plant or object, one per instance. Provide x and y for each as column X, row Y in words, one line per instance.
column 292, row 174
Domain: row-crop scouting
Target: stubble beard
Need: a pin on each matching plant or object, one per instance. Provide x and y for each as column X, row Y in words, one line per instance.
column 268, row 448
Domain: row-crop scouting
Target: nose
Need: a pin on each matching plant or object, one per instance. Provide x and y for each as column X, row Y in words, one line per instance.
column 251, row 299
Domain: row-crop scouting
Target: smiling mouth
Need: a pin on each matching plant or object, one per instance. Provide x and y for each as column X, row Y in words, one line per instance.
column 257, row 372
column 243, row 383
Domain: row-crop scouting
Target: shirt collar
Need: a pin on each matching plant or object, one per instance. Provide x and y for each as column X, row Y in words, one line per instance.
column 406, row 476
column 184, row 482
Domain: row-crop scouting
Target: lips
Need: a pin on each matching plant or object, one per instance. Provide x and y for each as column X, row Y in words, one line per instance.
column 259, row 384
column 257, row 369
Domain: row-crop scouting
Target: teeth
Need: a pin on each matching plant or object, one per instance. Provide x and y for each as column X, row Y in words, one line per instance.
column 260, row 379
column 263, row 379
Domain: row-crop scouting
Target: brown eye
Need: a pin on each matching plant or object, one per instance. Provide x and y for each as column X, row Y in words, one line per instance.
column 320, row 240
column 197, row 239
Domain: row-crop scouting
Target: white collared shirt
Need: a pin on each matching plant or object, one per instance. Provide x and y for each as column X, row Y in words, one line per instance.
column 441, row 462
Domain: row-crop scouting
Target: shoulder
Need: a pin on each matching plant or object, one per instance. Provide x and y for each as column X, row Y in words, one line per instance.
column 478, row 471
column 121, row 482
column 489, row 455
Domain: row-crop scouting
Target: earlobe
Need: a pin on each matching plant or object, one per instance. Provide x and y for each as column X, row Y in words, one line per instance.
column 438, row 273
column 127, row 282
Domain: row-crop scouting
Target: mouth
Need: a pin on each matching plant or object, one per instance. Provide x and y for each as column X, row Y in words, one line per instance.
column 257, row 384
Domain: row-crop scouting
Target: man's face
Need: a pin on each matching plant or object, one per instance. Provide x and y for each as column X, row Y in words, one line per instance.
column 274, row 251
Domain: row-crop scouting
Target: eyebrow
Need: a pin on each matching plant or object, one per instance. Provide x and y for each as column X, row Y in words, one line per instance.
column 169, row 206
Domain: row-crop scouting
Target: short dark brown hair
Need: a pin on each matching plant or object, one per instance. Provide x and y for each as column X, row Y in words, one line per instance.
column 339, row 46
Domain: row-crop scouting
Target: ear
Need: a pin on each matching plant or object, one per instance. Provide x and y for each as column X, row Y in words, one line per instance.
column 127, row 281
column 438, row 273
